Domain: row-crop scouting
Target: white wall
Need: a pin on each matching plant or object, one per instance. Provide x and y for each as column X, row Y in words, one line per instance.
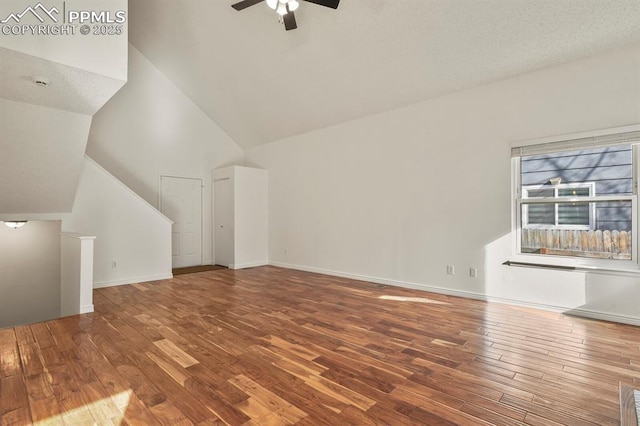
column 251, row 217
column 151, row 128
column 397, row 196
column 41, row 154
column 129, row 231
column 30, row 278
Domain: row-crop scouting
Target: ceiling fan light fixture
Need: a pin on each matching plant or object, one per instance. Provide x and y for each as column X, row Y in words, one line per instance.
column 15, row 224
column 282, row 9
column 285, row 9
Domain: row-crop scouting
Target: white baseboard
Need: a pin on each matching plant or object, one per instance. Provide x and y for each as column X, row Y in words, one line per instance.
column 248, row 265
column 135, row 280
column 603, row 316
column 581, row 312
column 87, row 309
column 377, row 280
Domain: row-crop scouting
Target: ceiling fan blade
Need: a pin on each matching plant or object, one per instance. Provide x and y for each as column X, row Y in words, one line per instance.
column 333, row 4
column 289, row 21
column 244, row 4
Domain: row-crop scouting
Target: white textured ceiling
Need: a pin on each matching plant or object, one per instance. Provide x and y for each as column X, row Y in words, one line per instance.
column 261, row 83
column 70, row 89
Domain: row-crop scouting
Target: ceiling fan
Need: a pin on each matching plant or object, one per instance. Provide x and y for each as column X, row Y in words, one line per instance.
column 285, row 8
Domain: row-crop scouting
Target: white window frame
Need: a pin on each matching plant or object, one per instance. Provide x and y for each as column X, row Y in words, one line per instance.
column 592, row 210
column 574, row 142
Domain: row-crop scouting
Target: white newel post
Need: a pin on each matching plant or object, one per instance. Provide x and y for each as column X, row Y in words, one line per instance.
column 76, row 292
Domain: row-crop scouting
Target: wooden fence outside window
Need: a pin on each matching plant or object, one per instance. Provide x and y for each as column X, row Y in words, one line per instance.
column 608, row 244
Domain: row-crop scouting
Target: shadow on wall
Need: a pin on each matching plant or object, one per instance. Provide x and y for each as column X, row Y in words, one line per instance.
column 531, row 286
column 611, row 297
column 596, row 295
column 30, row 278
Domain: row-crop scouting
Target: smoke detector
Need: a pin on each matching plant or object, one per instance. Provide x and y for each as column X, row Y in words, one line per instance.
column 41, row 81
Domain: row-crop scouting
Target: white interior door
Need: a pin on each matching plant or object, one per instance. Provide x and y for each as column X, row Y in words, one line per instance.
column 181, row 201
column 223, row 218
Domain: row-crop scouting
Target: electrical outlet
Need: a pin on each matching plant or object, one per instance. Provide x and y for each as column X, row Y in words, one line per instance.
column 114, row 264
column 473, row 272
column 286, row 252
column 450, row 270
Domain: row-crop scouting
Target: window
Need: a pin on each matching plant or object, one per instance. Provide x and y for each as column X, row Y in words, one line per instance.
column 576, row 199
column 574, row 215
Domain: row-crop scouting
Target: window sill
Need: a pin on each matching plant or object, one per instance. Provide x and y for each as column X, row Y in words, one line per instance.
column 577, row 268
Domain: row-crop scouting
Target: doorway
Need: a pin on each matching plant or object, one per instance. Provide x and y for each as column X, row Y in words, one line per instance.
column 181, row 201
column 223, row 218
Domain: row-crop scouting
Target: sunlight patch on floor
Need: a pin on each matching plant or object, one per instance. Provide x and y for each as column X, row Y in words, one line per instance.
column 413, row 299
column 109, row 410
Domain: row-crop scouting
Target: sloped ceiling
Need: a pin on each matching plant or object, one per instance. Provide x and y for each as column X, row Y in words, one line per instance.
column 261, row 83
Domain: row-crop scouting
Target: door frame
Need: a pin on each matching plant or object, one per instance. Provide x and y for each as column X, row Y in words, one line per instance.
column 202, row 203
column 213, row 216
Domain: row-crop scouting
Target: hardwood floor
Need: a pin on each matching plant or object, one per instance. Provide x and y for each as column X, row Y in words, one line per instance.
column 274, row 346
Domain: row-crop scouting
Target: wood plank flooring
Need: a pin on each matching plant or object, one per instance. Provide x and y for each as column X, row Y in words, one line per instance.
column 271, row 346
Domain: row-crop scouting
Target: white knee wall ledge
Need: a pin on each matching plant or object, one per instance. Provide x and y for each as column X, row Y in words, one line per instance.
column 76, row 270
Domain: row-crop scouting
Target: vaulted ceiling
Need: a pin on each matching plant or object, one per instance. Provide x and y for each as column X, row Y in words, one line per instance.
column 261, row 83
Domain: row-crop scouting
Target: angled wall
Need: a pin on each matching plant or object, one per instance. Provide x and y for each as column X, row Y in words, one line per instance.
column 128, row 230
column 45, row 126
column 41, row 155
column 150, row 128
